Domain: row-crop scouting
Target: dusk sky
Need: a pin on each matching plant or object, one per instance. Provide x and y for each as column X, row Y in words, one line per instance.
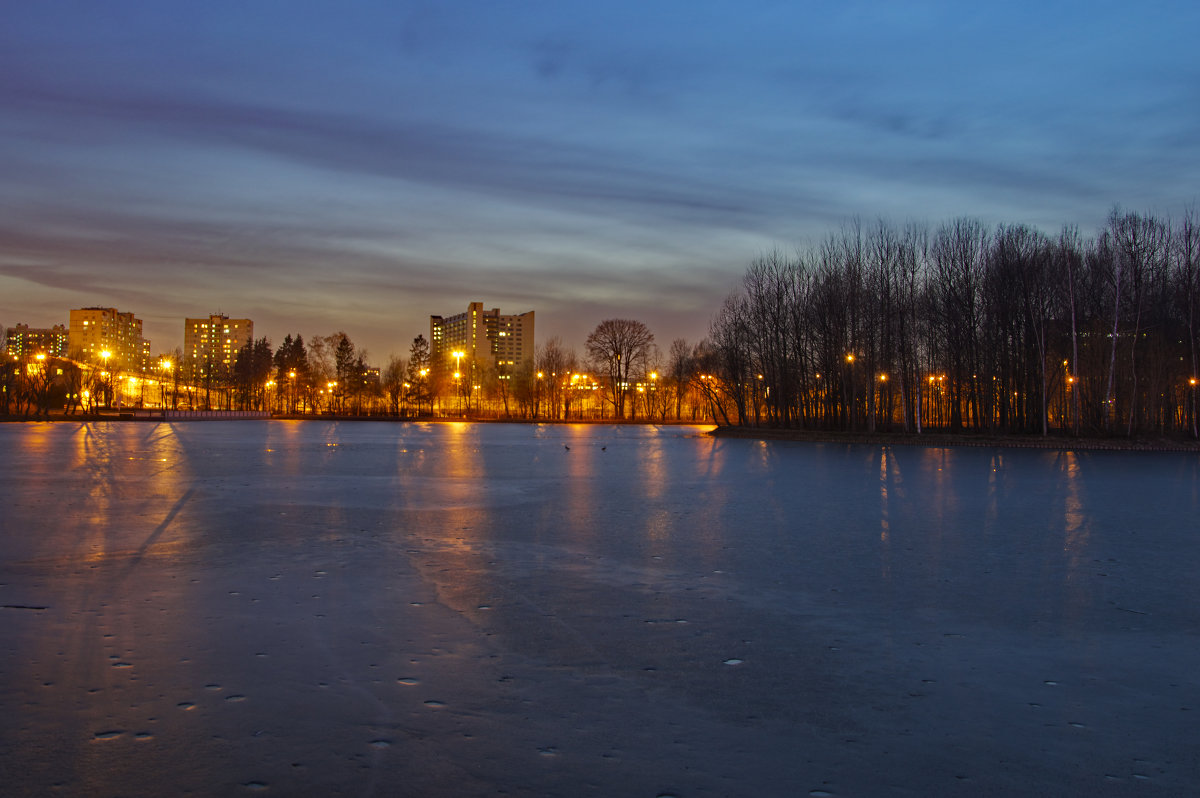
column 360, row 165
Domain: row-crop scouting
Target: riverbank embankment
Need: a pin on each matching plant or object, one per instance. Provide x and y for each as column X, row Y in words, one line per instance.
column 936, row 438
column 940, row 439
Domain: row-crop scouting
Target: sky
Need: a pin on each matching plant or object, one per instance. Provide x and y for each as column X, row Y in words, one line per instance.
column 358, row 166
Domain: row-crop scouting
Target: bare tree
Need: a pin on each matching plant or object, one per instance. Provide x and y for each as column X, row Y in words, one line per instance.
column 618, row 348
column 553, row 366
column 959, row 251
column 1139, row 246
column 679, row 369
column 1187, row 268
column 395, row 386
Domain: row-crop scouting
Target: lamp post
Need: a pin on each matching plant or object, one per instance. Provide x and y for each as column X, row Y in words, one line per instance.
column 104, row 356
column 458, row 356
column 852, row 398
column 1195, row 429
column 878, row 401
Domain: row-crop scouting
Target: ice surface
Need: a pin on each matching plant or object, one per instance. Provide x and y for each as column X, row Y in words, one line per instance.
column 316, row 608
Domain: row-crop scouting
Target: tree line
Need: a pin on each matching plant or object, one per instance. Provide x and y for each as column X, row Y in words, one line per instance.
column 958, row 327
column 966, row 328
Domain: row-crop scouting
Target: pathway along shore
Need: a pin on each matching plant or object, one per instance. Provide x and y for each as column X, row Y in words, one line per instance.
column 938, row 439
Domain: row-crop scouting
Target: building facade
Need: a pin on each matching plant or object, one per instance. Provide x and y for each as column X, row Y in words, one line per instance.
column 211, row 343
column 96, row 331
column 24, row 342
column 486, row 339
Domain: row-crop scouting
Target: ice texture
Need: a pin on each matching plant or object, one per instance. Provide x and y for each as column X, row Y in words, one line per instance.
column 451, row 609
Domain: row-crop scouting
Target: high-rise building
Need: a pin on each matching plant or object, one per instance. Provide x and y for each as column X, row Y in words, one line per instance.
column 485, row 339
column 24, row 341
column 94, row 331
column 212, row 343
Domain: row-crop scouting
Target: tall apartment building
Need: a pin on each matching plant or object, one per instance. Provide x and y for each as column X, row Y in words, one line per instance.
column 96, row 330
column 212, row 343
column 487, row 339
column 24, row 341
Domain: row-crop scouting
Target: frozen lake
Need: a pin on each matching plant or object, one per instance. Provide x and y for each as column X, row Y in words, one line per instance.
column 310, row 608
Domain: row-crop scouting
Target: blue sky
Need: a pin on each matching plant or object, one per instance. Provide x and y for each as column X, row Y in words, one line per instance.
column 320, row 166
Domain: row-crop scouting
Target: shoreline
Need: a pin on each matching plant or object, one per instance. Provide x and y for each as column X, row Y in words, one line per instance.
column 945, row 439
column 935, row 439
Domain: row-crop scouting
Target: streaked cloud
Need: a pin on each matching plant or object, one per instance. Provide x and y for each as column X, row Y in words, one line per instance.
column 371, row 164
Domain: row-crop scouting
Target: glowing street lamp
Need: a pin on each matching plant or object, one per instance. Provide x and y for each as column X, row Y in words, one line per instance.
column 104, row 356
column 164, row 368
column 458, row 355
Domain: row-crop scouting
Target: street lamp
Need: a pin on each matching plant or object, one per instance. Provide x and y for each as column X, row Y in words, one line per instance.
column 458, row 355
column 164, row 368
column 104, row 356
column 853, row 399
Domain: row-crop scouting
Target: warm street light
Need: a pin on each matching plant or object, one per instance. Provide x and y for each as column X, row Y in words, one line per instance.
column 105, row 355
column 164, row 366
column 458, row 355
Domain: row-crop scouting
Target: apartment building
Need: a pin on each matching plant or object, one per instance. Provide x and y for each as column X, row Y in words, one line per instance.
column 211, row 343
column 24, row 342
column 484, row 338
column 96, row 331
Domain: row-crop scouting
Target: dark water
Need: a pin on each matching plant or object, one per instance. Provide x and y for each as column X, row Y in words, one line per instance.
column 447, row 609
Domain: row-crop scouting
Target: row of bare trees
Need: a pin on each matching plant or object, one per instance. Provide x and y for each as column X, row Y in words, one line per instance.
column 35, row 386
column 963, row 327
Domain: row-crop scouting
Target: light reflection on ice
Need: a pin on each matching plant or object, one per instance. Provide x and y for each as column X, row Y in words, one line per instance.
column 489, row 597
